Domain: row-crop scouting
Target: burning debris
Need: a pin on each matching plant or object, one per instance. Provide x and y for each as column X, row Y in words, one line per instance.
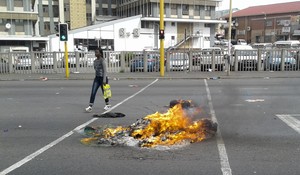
column 174, row 127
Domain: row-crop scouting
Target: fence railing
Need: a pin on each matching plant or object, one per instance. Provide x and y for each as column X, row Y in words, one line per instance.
column 149, row 61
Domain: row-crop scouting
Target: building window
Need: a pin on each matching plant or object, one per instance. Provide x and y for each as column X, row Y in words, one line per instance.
column 197, row 10
column 67, row 8
column 2, row 3
column 2, row 24
column 19, row 25
column 172, row 37
column 55, row 11
column 173, row 24
column 105, row 12
column 18, row 3
column 45, row 9
column 185, row 9
column 173, row 9
column 207, row 10
column 269, row 23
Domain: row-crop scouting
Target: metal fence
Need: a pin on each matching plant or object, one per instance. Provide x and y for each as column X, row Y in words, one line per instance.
column 149, row 61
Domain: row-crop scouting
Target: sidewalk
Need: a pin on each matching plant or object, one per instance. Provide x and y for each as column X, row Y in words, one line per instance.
column 154, row 75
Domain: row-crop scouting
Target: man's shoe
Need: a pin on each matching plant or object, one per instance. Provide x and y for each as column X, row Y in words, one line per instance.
column 107, row 107
column 88, row 109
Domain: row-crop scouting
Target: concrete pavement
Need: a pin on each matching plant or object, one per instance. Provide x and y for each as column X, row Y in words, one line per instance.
column 152, row 75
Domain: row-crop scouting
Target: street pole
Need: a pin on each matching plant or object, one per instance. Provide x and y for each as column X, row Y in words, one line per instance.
column 162, row 51
column 229, row 37
column 265, row 25
column 66, row 60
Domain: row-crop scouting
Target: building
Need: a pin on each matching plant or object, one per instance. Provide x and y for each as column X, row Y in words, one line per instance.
column 190, row 24
column 267, row 23
column 187, row 23
column 18, row 26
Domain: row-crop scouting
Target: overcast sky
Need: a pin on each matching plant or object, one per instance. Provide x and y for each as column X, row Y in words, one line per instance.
column 241, row 4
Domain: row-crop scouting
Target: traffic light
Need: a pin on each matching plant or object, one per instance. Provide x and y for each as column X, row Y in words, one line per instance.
column 161, row 34
column 63, row 32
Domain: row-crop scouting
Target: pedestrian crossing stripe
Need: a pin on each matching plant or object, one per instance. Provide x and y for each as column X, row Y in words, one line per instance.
column 290, row 120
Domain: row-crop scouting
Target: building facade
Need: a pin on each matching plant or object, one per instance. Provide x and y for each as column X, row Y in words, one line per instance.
column 18, row 26
column 268, row 23
column 187, row 23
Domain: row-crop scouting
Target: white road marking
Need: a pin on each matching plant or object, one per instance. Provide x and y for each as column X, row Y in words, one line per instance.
column 290, row 121
column 225, row 166
column 55, row 142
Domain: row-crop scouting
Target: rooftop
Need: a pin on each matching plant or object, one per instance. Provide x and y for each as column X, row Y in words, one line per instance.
column 288, row 7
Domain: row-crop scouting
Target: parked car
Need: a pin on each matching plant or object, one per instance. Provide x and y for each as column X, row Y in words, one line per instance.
column 83, row 61
column 246, row 56
column 23, row 61
column 207, row 58
column 47, row 60
column 179, row 61
column 274, row 58
column 153, row 63
column 4, row 66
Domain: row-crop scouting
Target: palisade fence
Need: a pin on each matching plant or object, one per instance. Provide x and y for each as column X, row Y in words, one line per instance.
column 149, row 61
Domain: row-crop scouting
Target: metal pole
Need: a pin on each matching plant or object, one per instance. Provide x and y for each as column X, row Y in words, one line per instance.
column 67, row 60
column 229, row 36
column 162, row 51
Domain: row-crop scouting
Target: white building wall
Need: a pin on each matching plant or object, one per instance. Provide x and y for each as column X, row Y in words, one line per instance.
column 129, row 42
column 169, row 32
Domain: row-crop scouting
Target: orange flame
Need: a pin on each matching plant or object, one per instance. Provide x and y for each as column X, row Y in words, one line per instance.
column 172, row 127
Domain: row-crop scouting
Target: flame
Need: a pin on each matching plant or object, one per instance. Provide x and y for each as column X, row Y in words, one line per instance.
column 172, row 127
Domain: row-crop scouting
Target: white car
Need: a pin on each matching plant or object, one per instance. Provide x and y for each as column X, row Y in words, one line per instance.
column 245, row 57
column 47, row 60
column 72, row 60
column 206, row 58
column 179, row 61
column 23, row 61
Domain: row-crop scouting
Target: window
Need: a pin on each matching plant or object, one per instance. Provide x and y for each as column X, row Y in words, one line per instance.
column 207, row 10
column 2, row 3
column 197, row 10
column 185, row 9
column 19, row 25
column 173, row 37
column 173, row 24
column 173, row 9
column 67, row 8
column 55, row 11
column 18, row 3
column 269, row 23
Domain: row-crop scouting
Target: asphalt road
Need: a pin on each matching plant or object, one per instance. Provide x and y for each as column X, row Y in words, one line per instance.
column 259, row 127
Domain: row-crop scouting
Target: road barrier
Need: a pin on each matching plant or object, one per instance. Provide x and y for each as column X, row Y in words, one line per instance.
column 205, row 60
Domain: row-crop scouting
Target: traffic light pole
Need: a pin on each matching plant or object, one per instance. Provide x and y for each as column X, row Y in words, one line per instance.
column 67, row 60
column 162, row 51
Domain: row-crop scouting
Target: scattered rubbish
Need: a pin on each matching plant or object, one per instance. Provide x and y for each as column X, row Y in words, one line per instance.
column 110, row 115
column 116, row 79
column 5, row 130
column 176, row 127
column 266, row 77
column 43, row 78
column 133, row 85
column 57, row 93
column 209, row 70
column 255, row 100
column 76, row 72
column 20, row 126
column 213, row 78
